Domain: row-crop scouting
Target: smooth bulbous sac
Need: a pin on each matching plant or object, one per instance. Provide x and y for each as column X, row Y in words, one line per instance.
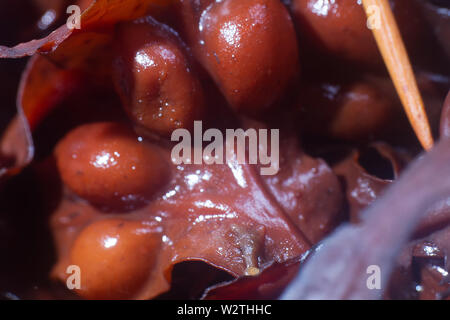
column 340, row 28
column 115, row 257
column 108, row 165
column 250, row 49
column 154, row 78
column 358, row 110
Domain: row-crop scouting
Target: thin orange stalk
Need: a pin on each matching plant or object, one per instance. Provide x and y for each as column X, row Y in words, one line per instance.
column 390, row 43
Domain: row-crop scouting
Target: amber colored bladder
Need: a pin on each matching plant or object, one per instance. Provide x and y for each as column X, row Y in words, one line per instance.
column 396, row 58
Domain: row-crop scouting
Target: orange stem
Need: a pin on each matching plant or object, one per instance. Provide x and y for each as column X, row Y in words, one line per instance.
column 390, row 43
